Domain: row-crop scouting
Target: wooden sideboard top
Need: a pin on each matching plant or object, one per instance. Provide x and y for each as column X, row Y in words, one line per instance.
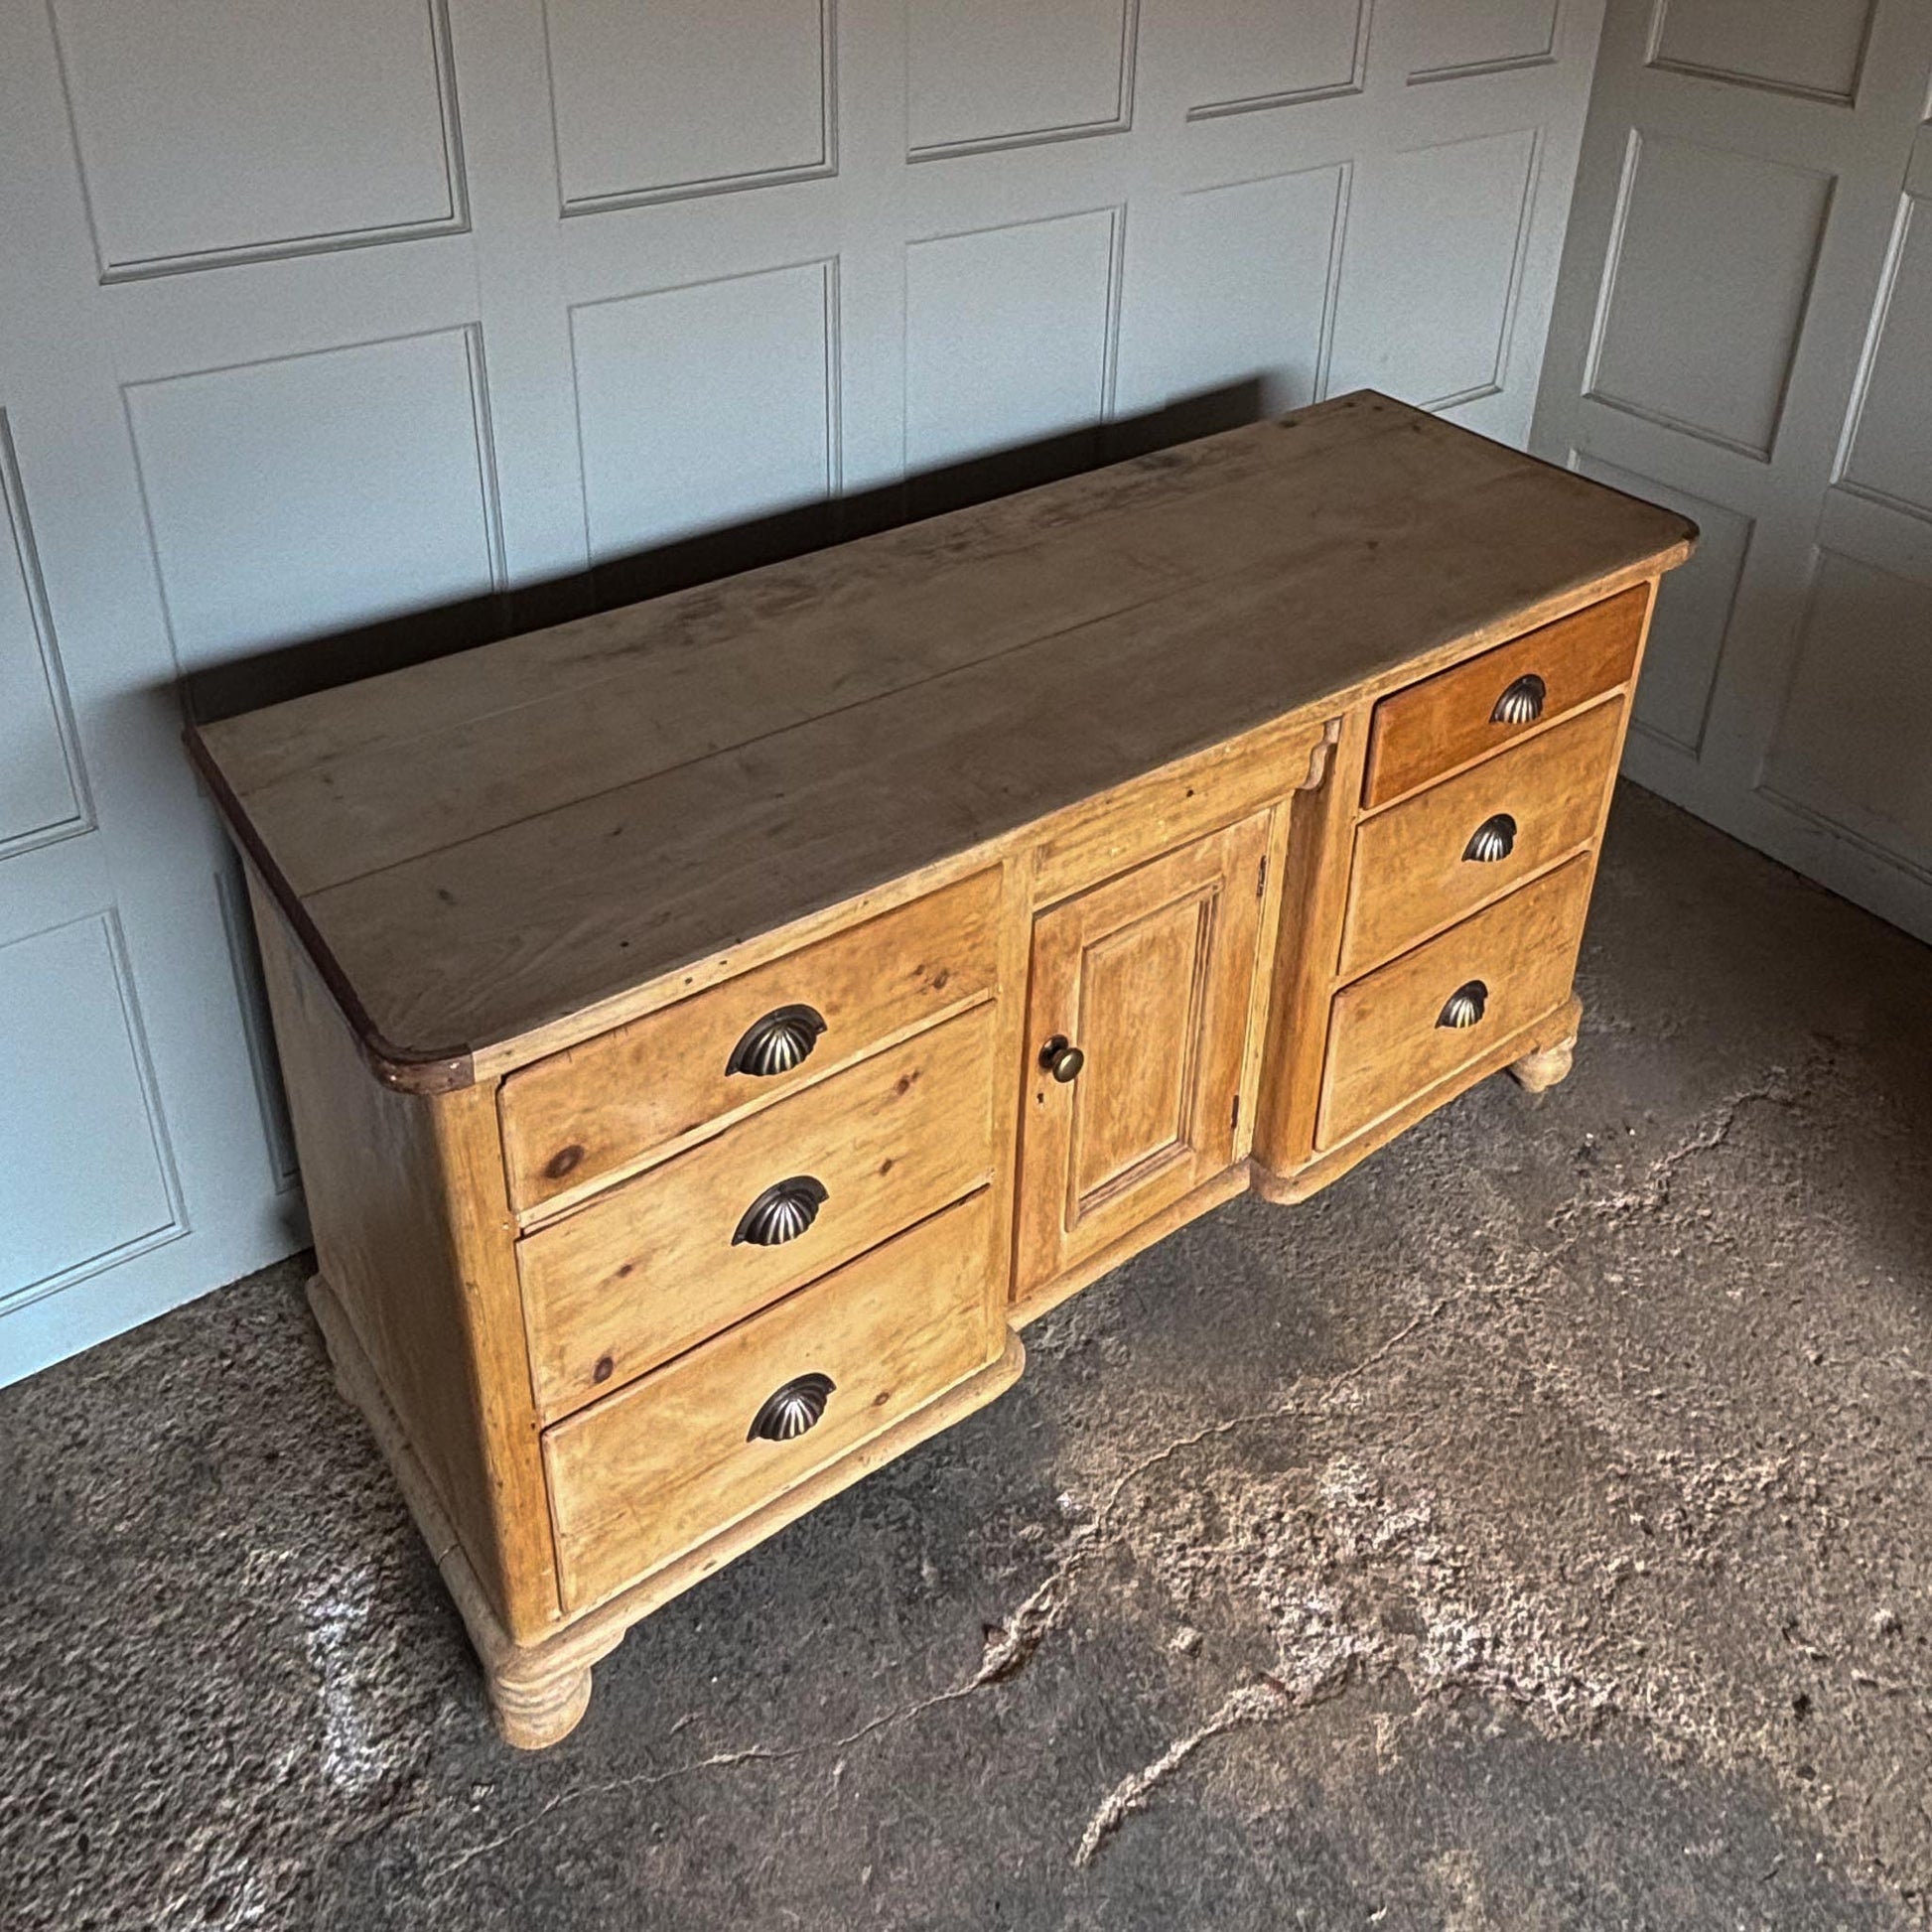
column 476, row 847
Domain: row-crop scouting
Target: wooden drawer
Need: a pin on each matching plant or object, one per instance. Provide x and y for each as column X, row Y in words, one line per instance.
column 672, row 1459
column 1387, row 1041
column 1435, row 726
column 1429, row 861
column 609, row 1102
column 653, row 1266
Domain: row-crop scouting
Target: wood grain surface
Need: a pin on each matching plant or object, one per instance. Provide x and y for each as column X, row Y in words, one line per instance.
column 476, row 847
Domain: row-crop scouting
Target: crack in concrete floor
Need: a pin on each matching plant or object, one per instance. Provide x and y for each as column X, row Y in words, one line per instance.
column 1514, row 1658
column 1009, row 1647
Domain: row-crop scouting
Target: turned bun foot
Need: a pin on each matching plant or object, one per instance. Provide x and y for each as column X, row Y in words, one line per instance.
column 534, row 1712
column 1537, row 1073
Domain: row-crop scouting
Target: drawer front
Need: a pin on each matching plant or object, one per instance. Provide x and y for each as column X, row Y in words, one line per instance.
column 1441, row 724
column 1429, row 861
column 647, row 1474
column 611, row 1101
column 688, row 1248
column 1388, row 1039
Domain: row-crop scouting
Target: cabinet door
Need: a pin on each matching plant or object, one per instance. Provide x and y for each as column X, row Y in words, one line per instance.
column 1147, row 979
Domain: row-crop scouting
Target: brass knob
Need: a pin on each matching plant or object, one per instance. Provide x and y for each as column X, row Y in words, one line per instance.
column 787, row 1412
column 778, row 1043
column 781, row 1213
column 1522, row 703
column 1062, row 1059
column 1464, row 1006
column 1493, row 839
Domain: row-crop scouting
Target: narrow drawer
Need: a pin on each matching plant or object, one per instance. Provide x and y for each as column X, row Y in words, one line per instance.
column 613, row 1099
column 647, row 1472
column 1424, row 864
column 690, row 1247
column 1434, row 727
column 1390, row 1036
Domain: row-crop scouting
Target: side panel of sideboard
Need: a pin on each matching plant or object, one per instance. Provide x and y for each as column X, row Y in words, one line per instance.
column 412, row 1232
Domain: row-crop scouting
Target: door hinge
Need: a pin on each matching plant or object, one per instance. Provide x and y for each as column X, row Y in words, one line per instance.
column 1261, row 876
column 1234, row 1118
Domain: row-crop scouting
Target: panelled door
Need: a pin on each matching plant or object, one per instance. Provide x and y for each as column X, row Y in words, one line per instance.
column 1138, row 1031
column 1743, row 331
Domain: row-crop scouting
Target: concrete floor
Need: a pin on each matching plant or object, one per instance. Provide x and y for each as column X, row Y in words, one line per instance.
column 1533, row 1531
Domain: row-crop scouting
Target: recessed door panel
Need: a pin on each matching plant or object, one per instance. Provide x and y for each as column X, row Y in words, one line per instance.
column 1140, row 990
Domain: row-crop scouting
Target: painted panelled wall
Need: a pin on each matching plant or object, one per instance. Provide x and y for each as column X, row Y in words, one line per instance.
column 1744, row 332
column 319, row 313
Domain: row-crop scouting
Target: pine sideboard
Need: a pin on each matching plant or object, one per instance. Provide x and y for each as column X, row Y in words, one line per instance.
column 713, row 1029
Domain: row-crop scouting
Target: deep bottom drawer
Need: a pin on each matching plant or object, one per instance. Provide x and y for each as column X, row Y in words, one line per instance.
column 1393, row 1036
column 639, row 1477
